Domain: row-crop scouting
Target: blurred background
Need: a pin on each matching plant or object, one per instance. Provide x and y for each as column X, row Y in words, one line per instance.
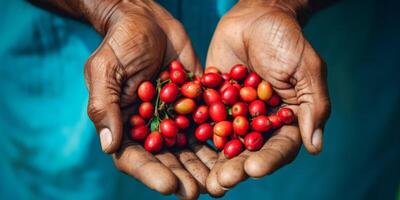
column 49, row 149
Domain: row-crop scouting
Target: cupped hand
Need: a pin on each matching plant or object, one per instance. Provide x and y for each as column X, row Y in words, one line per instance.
column 266, row 36
column 139, row 38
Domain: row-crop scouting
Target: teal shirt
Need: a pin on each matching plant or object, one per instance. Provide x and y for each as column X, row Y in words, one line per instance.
column 49, row 149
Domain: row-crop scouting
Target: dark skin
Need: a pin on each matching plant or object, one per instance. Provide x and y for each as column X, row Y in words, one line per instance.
column 141, row 36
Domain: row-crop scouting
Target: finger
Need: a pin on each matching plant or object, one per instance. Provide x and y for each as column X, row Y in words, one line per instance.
column 314, row 102
column 142, row 165
column 195, row 167
column 103, row 75
column 187, row 185
column 212, row 185
column 207, row 155
column 279, row 150
column 232, row 171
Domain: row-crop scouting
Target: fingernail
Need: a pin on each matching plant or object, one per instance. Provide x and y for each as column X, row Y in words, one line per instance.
column 317, row 138
column 105, row 138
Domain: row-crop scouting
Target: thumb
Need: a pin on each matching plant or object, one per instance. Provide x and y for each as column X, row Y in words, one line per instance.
column 103, row 76
column 313, row 97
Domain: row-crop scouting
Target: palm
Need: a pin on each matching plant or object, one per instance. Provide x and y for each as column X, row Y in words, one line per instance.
column 270, row 42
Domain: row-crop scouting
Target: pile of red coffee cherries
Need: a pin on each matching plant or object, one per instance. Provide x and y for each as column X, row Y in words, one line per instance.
column 235, row 110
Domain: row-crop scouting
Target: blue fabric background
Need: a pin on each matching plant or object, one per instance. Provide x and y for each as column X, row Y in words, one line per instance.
column 49, row 149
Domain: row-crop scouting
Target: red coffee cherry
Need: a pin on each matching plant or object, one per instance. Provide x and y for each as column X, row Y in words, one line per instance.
column 212, row 80
column 286, row 115
column 219, row 142
column 169, row 93
column 224, row 85
column 200, row 115
column 164, row 75
column 168, row 128
column 261, row 124
column 154, row 142
column 139, row 133
column 146, row 91
column 178, row 76
column 233, row 148
column 136, row 120
column 252, row 80
column 240, row 125
column 257, row 108
column 275, row 121
column 275, row 100
column 230, row 95
column 248, row 94
column 217, row 112
column 223, row 128
column 212, row 69
column 203, row 132
column 238, row 72
column 182, row 121
column 170, row 141
column 191, row 90
column 226, row 76
column 211, row 96
column 175, row 65
column 185, row 106
column 253, row 141
column 181, row 140
column 146, row 110
column 239, row 109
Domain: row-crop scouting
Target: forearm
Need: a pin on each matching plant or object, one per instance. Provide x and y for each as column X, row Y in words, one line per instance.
column 94, row 12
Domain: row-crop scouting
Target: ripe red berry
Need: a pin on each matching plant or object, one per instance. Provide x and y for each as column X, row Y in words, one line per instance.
column 184, row 106
column 219, row 142
column 240, row 125
column 169, row 93
column 233, row 148
column 182, row 121
column 175, row 65
column 226, row 76
column 212, row 80
column 237, row 86
column 168, row 128
column 252, row 80
column 203, row 132
column 164, row 75
column 154, row 142
column 224, row 85
column 248, row 94
column 191, row 90
column 170, row 141
column 223, row 128
column 212, row 69
column 178, row 76
column 238, row 72
column 239, row 109
column 275, row 121
column 275, row 100
column 146, row 91
column 136, row 120
column 261, row 123
column 217, row 112
column 139, row 133
column 146, row 110
column 230, row 95
column 181, row 140
column 253, row 141
column 200, row 115
column 257, row 108
column 264, row 91
column 286, row 115
column 211, row 96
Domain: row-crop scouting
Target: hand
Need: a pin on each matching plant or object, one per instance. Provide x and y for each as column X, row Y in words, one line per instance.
column 140, row 37
column 266, row 36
